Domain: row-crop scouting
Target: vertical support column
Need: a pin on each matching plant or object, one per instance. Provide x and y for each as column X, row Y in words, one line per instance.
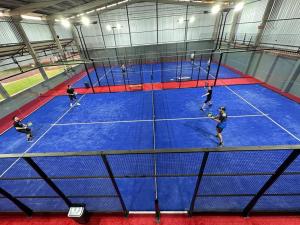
column 216, row 27
column 128, row 26
column 234, row 26
column 48, row 181
column 156, row 9
column 21, row 31
column 101, row 30
column 200, row 175
column 18, row 203
column 77, row 43
column 186, row 27
column 264, row 22
column 289, row 160
column 114, row 183
column 56, row 39
column 218, row 69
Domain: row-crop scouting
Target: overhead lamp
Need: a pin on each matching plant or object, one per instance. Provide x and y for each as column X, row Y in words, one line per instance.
column 215, row 9
column 239, row 6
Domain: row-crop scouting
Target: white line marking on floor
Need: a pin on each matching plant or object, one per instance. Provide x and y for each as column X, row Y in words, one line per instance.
column 156, row 120
column 51, row 126
column 257, row 109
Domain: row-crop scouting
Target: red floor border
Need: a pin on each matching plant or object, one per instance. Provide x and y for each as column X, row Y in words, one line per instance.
column 149, row 220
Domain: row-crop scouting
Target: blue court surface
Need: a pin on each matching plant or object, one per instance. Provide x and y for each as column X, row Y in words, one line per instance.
column 163, row 72
column 123, row 121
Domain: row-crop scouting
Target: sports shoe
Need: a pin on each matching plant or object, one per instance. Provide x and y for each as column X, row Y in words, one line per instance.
column 77, row 103
column 202, row 109
column 221, row 144
column 71, row 104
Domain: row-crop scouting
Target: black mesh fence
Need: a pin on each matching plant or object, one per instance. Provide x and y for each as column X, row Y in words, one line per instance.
column 239, row 180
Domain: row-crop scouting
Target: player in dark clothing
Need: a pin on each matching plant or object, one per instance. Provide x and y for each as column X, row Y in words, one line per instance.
column 23, row 128
column 123, row 68
column 221, row 120
column 208, row 98
column 72, row 95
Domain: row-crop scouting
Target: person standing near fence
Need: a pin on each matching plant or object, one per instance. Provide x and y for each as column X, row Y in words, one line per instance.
column 72, row 96
column 123, row 69
column 192, row 58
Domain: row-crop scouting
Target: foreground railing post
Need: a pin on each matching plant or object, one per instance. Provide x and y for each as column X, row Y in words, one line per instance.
column 114, row 183
column 18, row 203
column 218, row 69
column 200, row 175
column 289, row 160
column 48, row 180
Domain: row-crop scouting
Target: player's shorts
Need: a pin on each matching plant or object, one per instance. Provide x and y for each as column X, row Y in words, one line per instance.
column 72, row 97
column 220, row 127
column 207, row 100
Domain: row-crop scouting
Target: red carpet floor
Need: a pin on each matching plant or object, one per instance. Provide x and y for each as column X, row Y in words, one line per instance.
column 149, row 220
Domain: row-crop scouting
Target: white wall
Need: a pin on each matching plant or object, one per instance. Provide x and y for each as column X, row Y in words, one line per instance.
column 283, row 26
column 143, row 25
column 7, row 34
column 37, row 30
column 251, row 18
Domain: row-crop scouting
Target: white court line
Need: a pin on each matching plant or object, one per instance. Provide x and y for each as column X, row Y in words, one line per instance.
column 257, row 109
column 156, row 120
column 28, row 149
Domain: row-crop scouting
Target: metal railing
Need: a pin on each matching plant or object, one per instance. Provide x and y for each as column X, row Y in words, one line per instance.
column 102, row 180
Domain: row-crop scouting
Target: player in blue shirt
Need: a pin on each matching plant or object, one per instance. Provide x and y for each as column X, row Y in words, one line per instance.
column 221, row 120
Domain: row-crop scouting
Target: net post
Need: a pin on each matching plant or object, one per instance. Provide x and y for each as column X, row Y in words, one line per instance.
column 200, row 175
column 96, row 72
column 112, row 74
column 88, row 74
column 28, row 211
column 114, row 183
column 48, row 180
column 280, row 170
column 218, row 69
column 199, row 71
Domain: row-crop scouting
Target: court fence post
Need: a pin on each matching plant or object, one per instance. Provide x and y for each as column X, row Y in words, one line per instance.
column 114, row 183
column 112, row 74
column 280, row 170
column 93, row 63
column 200, row 175
column 106, row 76
column 218, row 69
column 199, row 72
column 88, row 74
column 180, row 78
column 18, row 203
column 51, row 184
column 209, row 65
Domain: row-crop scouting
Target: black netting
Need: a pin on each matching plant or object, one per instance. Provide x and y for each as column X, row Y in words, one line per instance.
column 221, row 204
column 45, row 204
column 245, row 161
column 72, row 166
column 92, row 186
column 278, row 203
column 100, row 204
column 132, row 164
